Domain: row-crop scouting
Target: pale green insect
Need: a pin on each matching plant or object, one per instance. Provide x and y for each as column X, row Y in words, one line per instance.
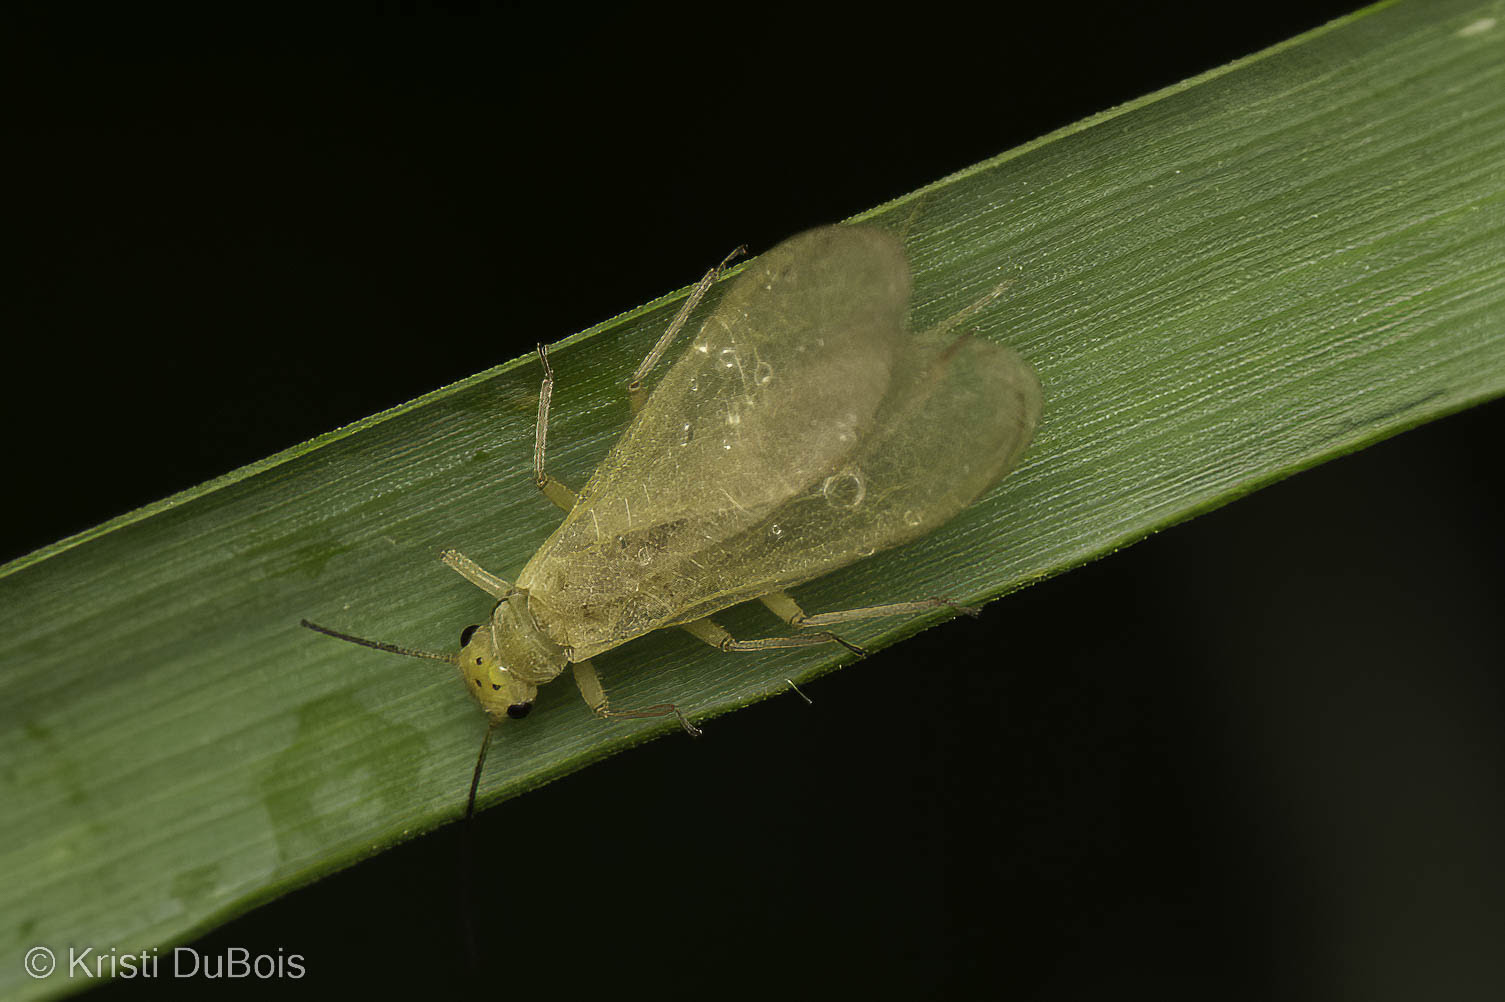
column 804, row 428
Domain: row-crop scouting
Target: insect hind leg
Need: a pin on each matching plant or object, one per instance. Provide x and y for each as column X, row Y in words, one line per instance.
column 966, row 313
column 708, row 632
column 787, row 609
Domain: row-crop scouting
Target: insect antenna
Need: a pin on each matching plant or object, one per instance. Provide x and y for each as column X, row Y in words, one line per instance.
column 380, row 646
column 475, row 778
column 467, row 855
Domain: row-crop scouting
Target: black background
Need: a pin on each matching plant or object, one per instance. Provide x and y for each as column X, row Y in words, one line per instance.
column 1257, row 755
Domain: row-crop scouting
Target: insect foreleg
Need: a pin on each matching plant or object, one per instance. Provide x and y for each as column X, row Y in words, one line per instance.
column 636, row 395
column 789, row 611
column 552, row 489
column 595, row 697
column 708, row 632
column 472, row 572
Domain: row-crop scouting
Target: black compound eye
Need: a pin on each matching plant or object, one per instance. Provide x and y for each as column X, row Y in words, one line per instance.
column 518, row 711
column 467, row 633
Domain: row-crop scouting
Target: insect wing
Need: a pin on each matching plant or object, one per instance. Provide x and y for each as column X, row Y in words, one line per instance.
column 802, row 429
column 957, row 418
column 767, row 397
column 794, row 361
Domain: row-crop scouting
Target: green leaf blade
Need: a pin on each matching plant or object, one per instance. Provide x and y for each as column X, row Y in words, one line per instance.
column 1222, row 284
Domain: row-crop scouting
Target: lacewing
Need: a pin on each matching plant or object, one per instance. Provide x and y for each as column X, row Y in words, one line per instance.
column 803, row 427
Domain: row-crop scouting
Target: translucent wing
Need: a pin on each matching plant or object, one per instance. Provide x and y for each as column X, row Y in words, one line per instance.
column 956, row 419
column 803, row 428
column 794, row 360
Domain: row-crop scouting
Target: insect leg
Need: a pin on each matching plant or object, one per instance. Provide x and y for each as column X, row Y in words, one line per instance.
column 708, row 632
column 552, row 489
column 968, row 312
column 635, row 393
column 789, row 611
column 472, row 572
column 595, row 697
